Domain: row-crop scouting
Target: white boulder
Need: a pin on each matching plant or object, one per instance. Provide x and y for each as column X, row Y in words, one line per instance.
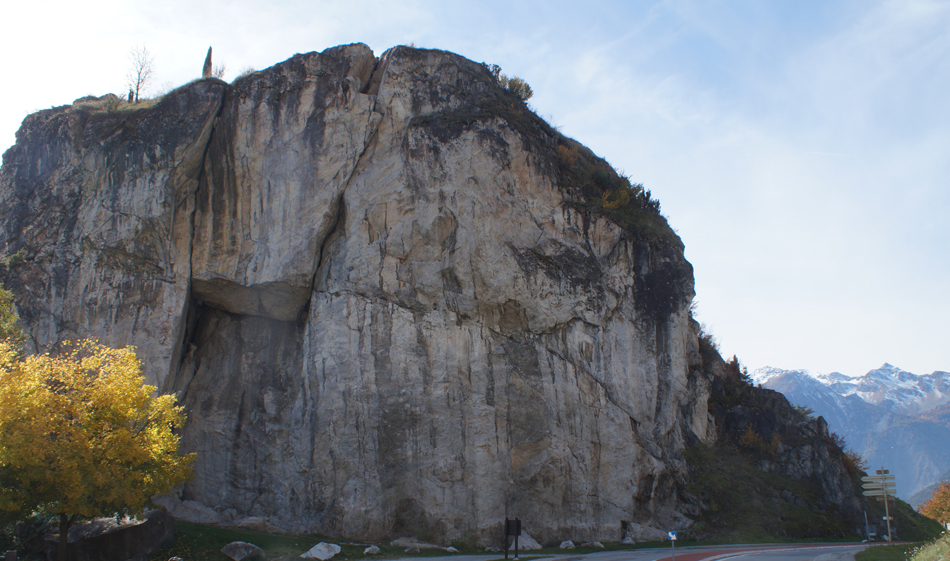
column 322, row 551
column 526, row 542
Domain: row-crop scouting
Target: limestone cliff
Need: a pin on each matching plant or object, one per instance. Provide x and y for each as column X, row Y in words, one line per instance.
column 392, row 299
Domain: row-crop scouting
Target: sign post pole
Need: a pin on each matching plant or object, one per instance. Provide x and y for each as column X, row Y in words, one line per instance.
column 507, row 525
column 517, row 533
column 672, row 535
column 882, row 487
column 512, row 528
column 887, row 510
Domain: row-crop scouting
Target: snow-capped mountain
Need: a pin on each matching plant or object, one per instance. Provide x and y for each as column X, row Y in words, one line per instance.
column 894, row 389
column 892, row 417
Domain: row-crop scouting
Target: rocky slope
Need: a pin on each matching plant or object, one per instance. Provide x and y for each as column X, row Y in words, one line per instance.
column 769, row 471
column 893, row 418
column 392, row 299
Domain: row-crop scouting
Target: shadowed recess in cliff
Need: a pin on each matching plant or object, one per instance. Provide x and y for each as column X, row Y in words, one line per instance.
column 239, row 381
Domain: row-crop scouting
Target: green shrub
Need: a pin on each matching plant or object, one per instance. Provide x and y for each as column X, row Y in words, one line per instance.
column 9, row 320
column 512, row 84
column 805, row 411
column 517, row 86
column 17, row 258
column 111, row 102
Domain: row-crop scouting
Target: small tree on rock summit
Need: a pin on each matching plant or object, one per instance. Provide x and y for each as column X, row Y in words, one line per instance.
column 140, row 73
column 512, row 84
column 206, row 69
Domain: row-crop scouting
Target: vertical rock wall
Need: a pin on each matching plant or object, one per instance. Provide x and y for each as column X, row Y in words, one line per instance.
column 382, row 311
column 100, row 203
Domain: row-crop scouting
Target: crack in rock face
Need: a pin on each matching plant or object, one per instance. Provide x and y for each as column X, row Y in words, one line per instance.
column 283, row 150
column 100, row 202
column 363, row 280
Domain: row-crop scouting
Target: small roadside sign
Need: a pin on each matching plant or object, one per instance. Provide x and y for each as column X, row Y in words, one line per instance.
column 672, row 536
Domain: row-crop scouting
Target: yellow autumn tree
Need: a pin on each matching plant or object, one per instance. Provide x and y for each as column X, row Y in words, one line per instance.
column 938, row 505
column 82, row 435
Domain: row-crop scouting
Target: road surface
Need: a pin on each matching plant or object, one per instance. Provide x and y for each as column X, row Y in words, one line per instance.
column 756, row 552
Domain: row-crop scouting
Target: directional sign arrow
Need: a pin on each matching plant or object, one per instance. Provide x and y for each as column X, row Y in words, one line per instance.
column 877, row 493
column 878, row 478
column 886, row 485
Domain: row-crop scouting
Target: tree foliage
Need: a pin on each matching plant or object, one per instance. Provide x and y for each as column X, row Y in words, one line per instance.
column 805, row 411
column 9, row 327
column 513, row 84
column 80, row 434
column 517, row 86
column 938, row 506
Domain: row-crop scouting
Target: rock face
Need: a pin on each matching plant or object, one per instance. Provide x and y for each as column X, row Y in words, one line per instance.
column 382, row 289
column 101, row 203
column 771, row 468
column 108, row 539
column 239, row 551
column 809, row 456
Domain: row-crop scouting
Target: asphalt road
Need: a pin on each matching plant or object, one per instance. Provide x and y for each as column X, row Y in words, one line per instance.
column 781, row 552
column 757, row 552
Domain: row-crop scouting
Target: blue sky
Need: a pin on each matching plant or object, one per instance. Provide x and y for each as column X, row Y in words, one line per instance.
column 800, row 148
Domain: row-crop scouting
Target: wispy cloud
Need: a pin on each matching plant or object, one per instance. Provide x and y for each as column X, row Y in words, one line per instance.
column 798, row 148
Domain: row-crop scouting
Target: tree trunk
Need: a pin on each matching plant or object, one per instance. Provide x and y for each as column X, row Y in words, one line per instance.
column 63, row 536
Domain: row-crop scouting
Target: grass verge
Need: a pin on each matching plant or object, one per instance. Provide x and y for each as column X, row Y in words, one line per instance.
column 899, row 552
column 938, row 550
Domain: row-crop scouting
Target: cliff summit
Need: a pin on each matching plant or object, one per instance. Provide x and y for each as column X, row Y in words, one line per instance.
column 392, row 299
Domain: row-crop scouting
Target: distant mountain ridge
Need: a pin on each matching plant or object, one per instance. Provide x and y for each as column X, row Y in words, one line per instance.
column 892, row 417
column 923, row 495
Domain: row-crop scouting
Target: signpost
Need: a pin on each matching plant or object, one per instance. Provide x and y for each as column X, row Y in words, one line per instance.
column 512, row 528
column 672, row 536
column 882, row 487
